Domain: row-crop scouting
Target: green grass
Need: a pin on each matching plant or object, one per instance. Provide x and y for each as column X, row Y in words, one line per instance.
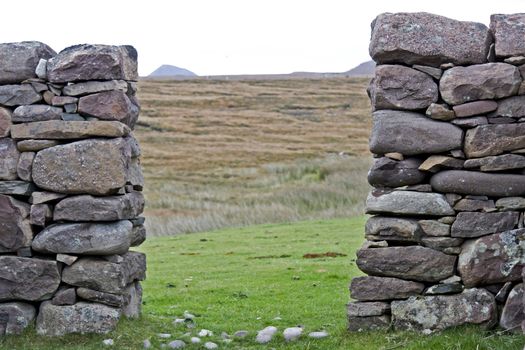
column 243, row 278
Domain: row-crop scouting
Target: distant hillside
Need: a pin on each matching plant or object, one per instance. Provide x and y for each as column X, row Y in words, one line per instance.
column 167, row 70
column 365, row 69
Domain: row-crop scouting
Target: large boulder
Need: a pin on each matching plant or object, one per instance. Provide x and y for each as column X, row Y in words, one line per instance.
column 513, row 311
column 508, row 31
column 109, row 105
column 15, row 230
column 473, row 224
column 411, row 133
column 398, row 38
column 472, row 306
column 392, row 229
column 399, row 87
column 93, row 62
column 494, row 139
column 9, row 156
column 93, row 166
column 408, row 203
column 16, row 95
column 411, row 262
column 15, row 317
column 63, row 130
column 478, row 183
column 82, row 317
column 19, row 60
column 370, row 288
column 479, row 82
column 386, row 172
column 27, row 278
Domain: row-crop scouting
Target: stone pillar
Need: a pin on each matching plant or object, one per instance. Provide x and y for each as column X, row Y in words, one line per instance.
column 445, row 242
column 70, row 188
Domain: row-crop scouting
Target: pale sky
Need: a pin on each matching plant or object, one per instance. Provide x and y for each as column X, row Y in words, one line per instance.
column 211, row 37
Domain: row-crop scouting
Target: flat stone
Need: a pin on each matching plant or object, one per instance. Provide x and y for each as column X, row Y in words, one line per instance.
column 392, row 229
column 90, row 208
column 400, row 87
column 510, row 203
column 491, row 259
column 35, row 145
column 412, row 133
column 432, row 71
column 39, row 197
column 64, row 100
column 474, row 108
column 138, row 235
column 93, row 62
column 368, row 323
column 41, row 214
column 19, row 60
column 479, row 82
column 66, row 258
column 411, row 262
column 470, row 122
column 491, row 140
column 473, row 224
column 27, row 278
column 508, row 31
column 25, row 165
column 417, row 188
column 64, row 296
column 466, row 204
column 8, row 159
column 110, row 299
column 445, row 288
column 85, row 238
column 434, row 163
column 93, row 166
column 478, row 183
column 386, row 172
column 513, row 313
column 409, row 203
column 15, row 230
column 57, row 130
column 440, row 112
column 5, row 122
column 36, row 113
column 16, row 317
column 516, row 60
column 72, row 117
column 105, row 276
column 18, row 188
column 16, row 95
column 110, row 105
column 497, row 163
column 472, row 306
column 397, row 38
column 369, row 288
column 501, row 120
column 368, row 308
column 434, row 228
column 92, row 87
column 510, row 107
column 80, row 318
column 440, row 243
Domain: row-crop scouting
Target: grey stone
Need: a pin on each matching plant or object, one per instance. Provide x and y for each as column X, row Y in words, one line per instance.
column 133, row 145
column 92, row 87
column 434, row 228
column 409, row 203
column 435, row 162
column 440, row 112
column 138, row 221
column 176, row 344
column 85, row 238
column 370, row 288
column 513, row 313
column 116, row 300
column 64, row 100
column 20, row 60
column 70, row 108
column 510, row 107
column 35, row 145
column 479, row 82
column 58, row 129
column 516, row 61
column 392, row 173
column 397, row 37
column 90, row 208
column 474, row 108
column 25, row 165
column 18, row 188
column 109, row 105
column 16, row 317
column 135, row 176
column 133, row 306
column 80, row 318
column 444, row 288
column 36, row 113
column 416, row 188
column 470, row 122
column 41, row 69
column 411, row 262
column 39, row 86
column 440, row 243
column 497, row 163
column 432, row 71
column 412, row 133
column 472, row 306
column 368, row 308
column 369, row 323
column 399, row 87
column 16, row 95
column 478, row 183
column 27, row 278
column 5, row 122
column 508, row 31
column 473, row 224
column 138, row 235
column 15, row 230
column 41, row 214
column 511, row 203
column 9, row 156
column 66, row 258
column 449, row 220
column 39, row 197
column 72, row 117
column 392, row 229
column 466, row 204
column 501, row 120
column 64, row 296
column 491, row 140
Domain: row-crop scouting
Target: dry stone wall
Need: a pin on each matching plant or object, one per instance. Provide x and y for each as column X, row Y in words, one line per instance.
column 70, row 188
column 445, row 242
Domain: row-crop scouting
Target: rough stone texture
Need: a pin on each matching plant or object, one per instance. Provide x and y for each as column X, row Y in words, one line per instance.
column 392, row 229
column 444, row 288
column 466, row 204
column 432, row 71
column 27, row 278
column 138, row 235
column 58, row 130
column 109, row 105
column 478, row 183
column 470, row 122
column 5, row 122
column 36, row 113
column 472, row 224
column 18, row 188
column 479, row 82
column 35, row 145
column 19, row 60
column 85, row 238
column 440, row 112
column 497, row 163
column 92, row 87
column 369, row 288
column 15, row 95
column 441, row 243
column 513, row 312
column 25, row 165
column 398, row 38
column 94, row 166
column 511, row 203
column 495, row 258
column 64, row 296
column 370, row 308
column 133, row 307
column 80, row 318
column 399, row 87
column 408, row 203
column 39, row 197
column 435, row 163
column 391, row 173
column 474, row 108
column 412, row 262
column 93, row 62
column 116, row 300
column 491, row 140
column 90, row 208
column 472, row 306
column 411, row 133
column 508, row 31
column 9, row 156
column 510, row 107
column 15, row 317
column 434, row 228
column 15, row 231
column 40, row 214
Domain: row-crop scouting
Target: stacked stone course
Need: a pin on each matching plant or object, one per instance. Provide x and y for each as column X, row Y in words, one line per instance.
column 445, row 245
column 70, row 188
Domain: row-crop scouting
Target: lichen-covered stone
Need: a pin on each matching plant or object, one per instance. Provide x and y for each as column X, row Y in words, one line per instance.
column 16, row 317
column 9, row 156
column 36, row 113
column 513, row 313
column 109, row 105
column 92, row 87
column 497, row 163
column 19, row 60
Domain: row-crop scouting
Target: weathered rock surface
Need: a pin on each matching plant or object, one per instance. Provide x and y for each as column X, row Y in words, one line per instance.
column 27, row 278
column 392, row 229
column 397, row 38
column 513, row 312
column 400, row 87
column 80, row 318
column 57, row 130
column 35, row 145
column 440, row 243
column 434, row 72
column 64, row 296
column 15, row 231
column 391, row 173
column 491, row 259
column 368, row 323
column 109, row 105
column 36, row 113
column 138, row 235
column 409, row 203
column 470, row 122
column 39, row 197
column 9, row 156
column 467, row 204
column 368, row 308
column 472, row 306
column 511, row 203
column 133, row 305
column 16, row 95
column 94, row 166
column 5, row 122
column 508, row 31
column 491, row 140
column 116, row 300
column 434, row 228
column 16, row 317
column 440, row 112
column 18, row 188
column 85, row 238
column 479, row 82
column 510, row 107
column 369, row 288
column 411, row 133
column 473, row 224
column 25, row 166
column 411, row 262
column 475, row 108
column 497, row 163
column 19, row 60
column 478, row 183
column 92, row 87
column 90, row 208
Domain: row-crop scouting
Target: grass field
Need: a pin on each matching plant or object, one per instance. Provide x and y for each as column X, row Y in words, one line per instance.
column 244, row 278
